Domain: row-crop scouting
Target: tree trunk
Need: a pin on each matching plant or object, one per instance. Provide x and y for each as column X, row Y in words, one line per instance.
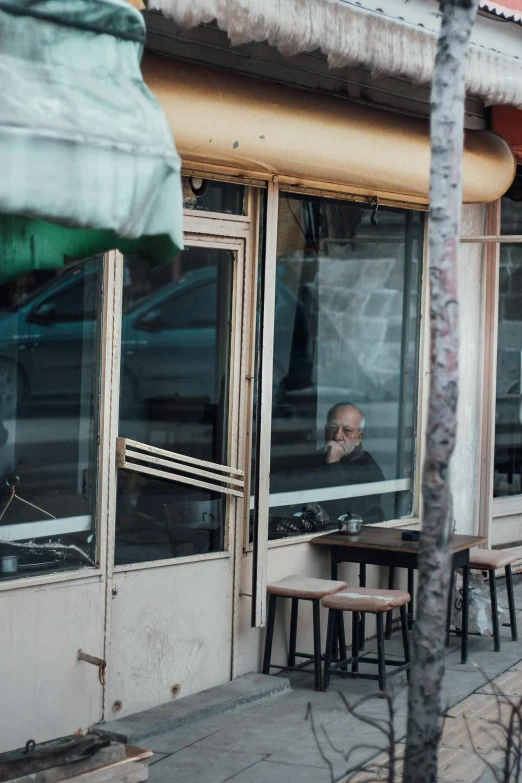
column 428, row 639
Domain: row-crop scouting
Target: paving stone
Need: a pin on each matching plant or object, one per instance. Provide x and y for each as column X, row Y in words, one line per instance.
column 481, row 705
column 274, row 772
column 463, row 766
column 247, row 689
column 485, row 733
column 201, row 765
column 172, row 741
column 154, row 758
column 340, row 745
column 252, row 735
column 509, row 683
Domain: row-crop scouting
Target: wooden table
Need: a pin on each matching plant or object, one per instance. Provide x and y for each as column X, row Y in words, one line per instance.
column 384, row 546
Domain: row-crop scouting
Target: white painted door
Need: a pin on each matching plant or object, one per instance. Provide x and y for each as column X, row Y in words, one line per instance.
column 179, row 484
column 52, row 534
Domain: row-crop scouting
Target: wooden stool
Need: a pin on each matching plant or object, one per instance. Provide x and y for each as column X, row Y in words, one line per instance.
column 298, row 588
column 489, row 560
column 359, row 601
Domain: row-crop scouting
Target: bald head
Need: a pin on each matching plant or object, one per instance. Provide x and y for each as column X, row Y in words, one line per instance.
column 344, row 430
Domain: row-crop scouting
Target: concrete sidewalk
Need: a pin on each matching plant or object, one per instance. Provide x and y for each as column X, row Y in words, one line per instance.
column 309, row 737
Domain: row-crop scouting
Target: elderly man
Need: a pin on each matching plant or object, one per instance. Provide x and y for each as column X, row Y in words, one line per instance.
column 345, row 462
column 340, row 463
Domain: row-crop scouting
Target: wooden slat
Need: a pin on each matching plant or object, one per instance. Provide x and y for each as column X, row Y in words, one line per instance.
column 174, row 465
column 180, row 457
column 181, row 479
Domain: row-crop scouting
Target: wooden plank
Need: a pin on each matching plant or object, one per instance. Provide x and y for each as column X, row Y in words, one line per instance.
column 173, row 465
column 181, row 457
column 181, row 479
column 46, row 755
column 114, row 753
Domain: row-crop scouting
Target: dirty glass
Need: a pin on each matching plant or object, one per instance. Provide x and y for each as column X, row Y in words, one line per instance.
column 49, row 384
column 211, row 195
column 508, row 427
column 345, row 364
column 174, row 379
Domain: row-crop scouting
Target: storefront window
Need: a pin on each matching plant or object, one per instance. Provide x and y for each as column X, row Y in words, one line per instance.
column 49, row 333
column 210, row 195
column 345, row 363
column 174, row 380
column 508, row 427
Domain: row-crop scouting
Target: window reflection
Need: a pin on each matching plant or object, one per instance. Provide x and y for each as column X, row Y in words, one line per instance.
column 49, row 332
column 176, row 339
column 508, row 428
column 345, row 363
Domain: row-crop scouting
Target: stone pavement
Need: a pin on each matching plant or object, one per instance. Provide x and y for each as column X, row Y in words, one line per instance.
column 309, row 737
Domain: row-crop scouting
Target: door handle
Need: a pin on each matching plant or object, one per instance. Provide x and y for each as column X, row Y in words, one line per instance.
column 99, row 662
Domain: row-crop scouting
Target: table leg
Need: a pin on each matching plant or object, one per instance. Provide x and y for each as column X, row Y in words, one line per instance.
column 362, row 621
column 335, row 651
column 333, row 564
column 465, row 608
column 411, row 591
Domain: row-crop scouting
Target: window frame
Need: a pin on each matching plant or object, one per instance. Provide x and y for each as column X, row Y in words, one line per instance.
column 260, row 545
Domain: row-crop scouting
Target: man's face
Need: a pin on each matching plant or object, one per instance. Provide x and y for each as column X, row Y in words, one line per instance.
column 343, row 427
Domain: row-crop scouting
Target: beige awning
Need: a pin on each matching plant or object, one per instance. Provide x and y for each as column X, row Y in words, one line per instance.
column 260, row 129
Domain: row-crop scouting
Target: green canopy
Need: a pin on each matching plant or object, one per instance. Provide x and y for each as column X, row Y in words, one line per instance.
column 88, row 162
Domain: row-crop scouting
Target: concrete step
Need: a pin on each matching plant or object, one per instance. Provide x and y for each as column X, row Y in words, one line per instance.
column 158, row 720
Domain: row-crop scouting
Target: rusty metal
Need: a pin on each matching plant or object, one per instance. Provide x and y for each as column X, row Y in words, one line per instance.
column 99, row 662
column 33, row 758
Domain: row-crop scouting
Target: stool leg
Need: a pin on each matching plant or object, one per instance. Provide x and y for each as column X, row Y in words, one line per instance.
column 317, row 644
column 494, row 608
column 339, row 623
column 293, row 632
column 269, row 633
column 450, row 601
column 411, row 591
column 362, row 622
column 405, row 637
column 328, row 649
column 380, row 652
column 389, row 615
column 355, row 641
column 511, row 602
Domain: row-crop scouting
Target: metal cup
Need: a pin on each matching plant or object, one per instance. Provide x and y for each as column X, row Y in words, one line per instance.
column 350, row 524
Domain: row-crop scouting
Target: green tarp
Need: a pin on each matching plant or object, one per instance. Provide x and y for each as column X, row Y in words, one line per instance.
column 88, row 162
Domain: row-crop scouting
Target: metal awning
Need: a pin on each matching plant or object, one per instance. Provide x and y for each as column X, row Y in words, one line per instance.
column 88, row 158
column 349, row 35
column 507, row 9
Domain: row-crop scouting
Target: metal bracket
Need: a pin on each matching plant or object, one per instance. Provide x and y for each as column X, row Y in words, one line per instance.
column 99, row 662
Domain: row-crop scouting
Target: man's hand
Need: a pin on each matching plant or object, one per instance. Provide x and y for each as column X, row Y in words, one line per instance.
column 334, row 451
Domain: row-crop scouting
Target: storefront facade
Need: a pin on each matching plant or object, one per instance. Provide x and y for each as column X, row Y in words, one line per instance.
column 163, row 425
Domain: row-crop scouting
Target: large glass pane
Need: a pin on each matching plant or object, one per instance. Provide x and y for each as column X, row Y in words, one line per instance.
column 209, row 195
column 49, row 333
column 508, row 429
column 174, row 395
column 345, row 363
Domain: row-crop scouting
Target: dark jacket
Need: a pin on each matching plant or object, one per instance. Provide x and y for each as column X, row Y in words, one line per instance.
column 359, row 467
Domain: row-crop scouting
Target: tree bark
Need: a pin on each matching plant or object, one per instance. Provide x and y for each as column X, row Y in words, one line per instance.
column 428, row 638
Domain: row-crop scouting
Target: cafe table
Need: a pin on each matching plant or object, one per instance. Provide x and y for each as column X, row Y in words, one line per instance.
column 384, row 546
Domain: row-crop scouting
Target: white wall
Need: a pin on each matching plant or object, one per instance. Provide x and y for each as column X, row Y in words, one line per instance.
column 466, row 458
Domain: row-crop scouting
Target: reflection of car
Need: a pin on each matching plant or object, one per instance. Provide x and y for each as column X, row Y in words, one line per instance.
column 168, row 337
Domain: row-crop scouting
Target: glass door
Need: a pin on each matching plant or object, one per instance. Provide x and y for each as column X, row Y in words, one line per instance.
column 179, row 484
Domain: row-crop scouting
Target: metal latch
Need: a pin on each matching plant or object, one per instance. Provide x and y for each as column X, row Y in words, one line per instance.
column 99, row 662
